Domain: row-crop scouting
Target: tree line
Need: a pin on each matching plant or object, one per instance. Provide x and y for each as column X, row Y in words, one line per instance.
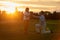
column 48, row 15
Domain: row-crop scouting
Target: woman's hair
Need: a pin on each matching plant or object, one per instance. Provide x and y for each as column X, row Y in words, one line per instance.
column 26, row 9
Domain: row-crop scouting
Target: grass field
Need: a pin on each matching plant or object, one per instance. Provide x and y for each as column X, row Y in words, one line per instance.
column 15, row 31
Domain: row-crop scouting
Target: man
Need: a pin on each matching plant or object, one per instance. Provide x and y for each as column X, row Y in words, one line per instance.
column 42, row 25
column 26, row 19
column 42, row 21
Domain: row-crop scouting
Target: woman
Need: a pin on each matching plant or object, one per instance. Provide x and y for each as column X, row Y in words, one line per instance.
column 26, row 19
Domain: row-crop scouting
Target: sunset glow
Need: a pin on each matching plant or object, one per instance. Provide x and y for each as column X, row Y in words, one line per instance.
column 34, row 5
column 9, row 7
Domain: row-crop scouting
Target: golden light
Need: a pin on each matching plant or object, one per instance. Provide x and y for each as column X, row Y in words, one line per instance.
column 22, row 0
column 21, row 9
column 10, row 10
column 9, row 7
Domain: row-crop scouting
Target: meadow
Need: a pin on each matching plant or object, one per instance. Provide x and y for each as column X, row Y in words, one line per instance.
column 15, row 30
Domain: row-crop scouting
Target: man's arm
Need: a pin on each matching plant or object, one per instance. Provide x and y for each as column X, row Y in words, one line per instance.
column 35, row 16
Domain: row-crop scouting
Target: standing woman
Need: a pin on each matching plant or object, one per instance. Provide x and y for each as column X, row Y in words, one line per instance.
column 26, row 19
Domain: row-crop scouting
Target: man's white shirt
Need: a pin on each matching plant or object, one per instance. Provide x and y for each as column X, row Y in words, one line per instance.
column 42, row 18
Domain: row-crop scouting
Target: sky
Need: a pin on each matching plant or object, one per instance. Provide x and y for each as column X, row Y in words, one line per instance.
column 34, row 5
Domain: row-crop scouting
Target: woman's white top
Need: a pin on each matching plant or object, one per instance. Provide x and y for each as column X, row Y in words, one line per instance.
column 26, row 16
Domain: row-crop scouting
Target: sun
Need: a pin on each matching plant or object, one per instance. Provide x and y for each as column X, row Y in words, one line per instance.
column 9, row 7
column 10, row 10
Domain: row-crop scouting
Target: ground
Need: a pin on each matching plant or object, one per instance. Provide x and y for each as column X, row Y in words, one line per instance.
column 14, row 30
